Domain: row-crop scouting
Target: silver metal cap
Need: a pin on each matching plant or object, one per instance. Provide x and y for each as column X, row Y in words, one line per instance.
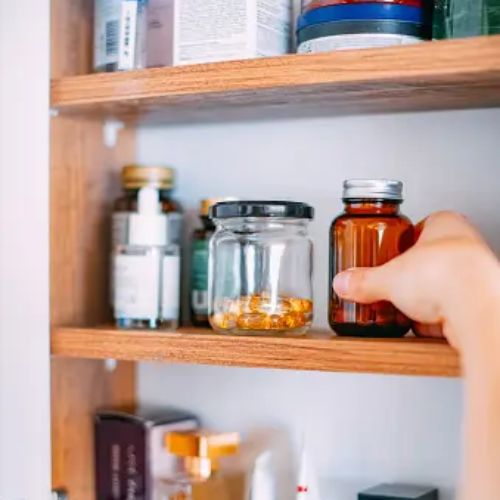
column 382, row 189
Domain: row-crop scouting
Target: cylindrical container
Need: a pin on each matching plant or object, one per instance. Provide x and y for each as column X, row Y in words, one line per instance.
column 369, row 233
column 328, row 25
column 316, row 4
column 146, row 270
column 361, row 12
column 199, row 265
column 260, row 268
column 136, row 177
column 344, row 35
column 119, row 34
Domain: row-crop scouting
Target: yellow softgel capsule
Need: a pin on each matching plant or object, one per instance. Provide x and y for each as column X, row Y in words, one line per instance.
column 278, row 322
column 295, row 305
column 253, row 321
column 224, row 321
column 255, row 304
column 261, row 312
column 295, row 320
column 307, row 305
column 300, row 305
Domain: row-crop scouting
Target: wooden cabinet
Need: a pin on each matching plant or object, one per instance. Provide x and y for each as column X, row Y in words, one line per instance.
column 433, row 75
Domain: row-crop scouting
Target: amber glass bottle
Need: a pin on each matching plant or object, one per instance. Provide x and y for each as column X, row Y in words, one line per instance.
column 136, row 177
column 370, row 232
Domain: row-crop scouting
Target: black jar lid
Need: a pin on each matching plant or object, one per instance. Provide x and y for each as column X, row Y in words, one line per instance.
column 281, row 209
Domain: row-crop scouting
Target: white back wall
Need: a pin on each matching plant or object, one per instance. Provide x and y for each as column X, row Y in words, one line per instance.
column 363, row 429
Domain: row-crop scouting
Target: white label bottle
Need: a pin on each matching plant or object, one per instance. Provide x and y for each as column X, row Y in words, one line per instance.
column 146, row 270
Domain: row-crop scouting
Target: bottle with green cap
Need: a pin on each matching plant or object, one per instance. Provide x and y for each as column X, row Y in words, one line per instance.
column 199, row 264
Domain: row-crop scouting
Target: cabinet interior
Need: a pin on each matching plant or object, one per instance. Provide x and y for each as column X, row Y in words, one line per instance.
column 84, row 182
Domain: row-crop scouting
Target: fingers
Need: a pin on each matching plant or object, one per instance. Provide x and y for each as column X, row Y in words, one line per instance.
column 396, row 281
column 364, row 285
column 445, row 224
column 426, row 330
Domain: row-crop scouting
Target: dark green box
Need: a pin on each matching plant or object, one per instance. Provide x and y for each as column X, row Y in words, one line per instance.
column 464, row 18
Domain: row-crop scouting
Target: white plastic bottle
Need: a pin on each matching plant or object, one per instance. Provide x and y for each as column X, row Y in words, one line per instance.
column 146, row 270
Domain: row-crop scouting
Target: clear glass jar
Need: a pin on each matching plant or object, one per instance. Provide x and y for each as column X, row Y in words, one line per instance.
column 370, row 232
column 260, row 268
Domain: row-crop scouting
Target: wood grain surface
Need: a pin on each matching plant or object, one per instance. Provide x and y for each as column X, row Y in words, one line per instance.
column 409, row 356
column 79, row 387
column 432, row 75
column 84, row 181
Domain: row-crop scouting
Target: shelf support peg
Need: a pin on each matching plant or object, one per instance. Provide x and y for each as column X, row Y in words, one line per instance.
column 110, row 131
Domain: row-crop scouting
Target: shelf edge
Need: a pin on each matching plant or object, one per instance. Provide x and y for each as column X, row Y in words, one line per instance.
column 193, row 346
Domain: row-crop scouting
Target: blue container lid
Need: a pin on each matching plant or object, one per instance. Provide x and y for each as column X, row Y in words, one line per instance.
column 361, row 12
column 384, row 26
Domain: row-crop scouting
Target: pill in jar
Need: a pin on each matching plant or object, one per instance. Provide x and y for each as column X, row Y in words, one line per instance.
column 259, row 312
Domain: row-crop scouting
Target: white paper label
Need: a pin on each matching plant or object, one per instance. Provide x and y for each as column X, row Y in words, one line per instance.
column 199, row 301
column 208, row 31
column 106, row 32
column 274, row 26
column 355, row 41
column 119, row 228
column 128, row 35
column 137, row 286
column 171, row 281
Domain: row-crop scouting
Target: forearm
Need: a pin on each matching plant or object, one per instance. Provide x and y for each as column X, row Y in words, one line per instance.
column 451, row 278
column 481, row 364
column 481, row 476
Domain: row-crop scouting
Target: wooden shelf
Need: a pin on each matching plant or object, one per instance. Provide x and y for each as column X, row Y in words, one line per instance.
column 434, row 75
column 409, row 356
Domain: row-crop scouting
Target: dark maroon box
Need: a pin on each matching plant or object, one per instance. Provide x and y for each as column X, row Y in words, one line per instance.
column 129, row 449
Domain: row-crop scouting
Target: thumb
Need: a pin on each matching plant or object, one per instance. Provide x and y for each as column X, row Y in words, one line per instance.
column 361, row 284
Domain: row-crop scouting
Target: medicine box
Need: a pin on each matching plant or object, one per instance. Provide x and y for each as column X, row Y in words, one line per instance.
column 183, row 32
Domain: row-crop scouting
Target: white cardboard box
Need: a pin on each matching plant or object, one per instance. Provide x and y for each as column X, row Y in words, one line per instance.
column 198, row 31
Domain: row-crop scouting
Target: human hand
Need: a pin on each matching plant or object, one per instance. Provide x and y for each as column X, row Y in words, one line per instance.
column 445, row 279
